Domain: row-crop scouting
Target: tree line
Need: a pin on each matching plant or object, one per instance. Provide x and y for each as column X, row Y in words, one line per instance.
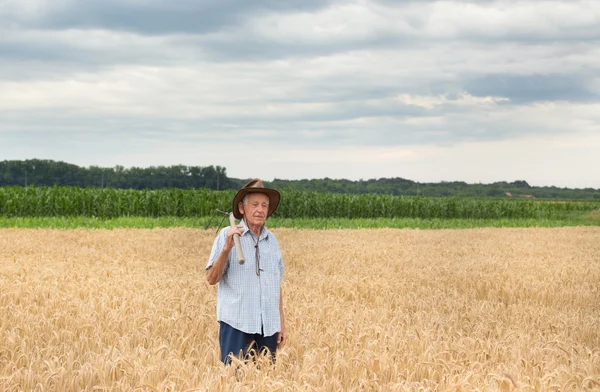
column 38, row 172
column 404, row 187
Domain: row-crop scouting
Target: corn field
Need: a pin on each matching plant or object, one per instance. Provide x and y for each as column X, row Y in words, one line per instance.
column 111, row 202
column 366, row 310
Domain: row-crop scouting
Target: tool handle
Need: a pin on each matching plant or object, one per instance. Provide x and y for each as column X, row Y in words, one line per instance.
column 236, row 240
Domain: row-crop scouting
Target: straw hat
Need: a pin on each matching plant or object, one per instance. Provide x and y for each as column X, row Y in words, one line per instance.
column 256, row 186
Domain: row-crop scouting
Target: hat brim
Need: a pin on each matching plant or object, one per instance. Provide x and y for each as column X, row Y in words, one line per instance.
column 272, row 194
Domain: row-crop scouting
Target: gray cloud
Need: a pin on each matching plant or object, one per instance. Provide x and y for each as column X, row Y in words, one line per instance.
column 532, row 88
column 353, row 123
column 160, row 16
column 131, row 75
column 226, row 30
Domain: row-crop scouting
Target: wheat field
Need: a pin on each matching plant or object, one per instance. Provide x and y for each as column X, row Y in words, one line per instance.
column 366, row 310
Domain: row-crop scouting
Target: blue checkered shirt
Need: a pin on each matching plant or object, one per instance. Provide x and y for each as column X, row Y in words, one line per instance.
column 246, row 301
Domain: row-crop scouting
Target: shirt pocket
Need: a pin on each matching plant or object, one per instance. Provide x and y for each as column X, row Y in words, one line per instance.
column 270, row 271
column 270, row 257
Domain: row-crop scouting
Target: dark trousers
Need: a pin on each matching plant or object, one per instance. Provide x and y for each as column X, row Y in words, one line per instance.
column 233, row 341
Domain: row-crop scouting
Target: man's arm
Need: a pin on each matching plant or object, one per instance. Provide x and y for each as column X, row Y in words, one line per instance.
column 215, row 272
column 282, row 337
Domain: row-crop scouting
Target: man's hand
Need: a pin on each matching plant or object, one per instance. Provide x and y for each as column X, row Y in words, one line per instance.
column 282, row 338
column 216, row 271
column 229, row 244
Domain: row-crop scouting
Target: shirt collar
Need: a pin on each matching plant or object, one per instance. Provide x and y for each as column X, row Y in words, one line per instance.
column 264, row 232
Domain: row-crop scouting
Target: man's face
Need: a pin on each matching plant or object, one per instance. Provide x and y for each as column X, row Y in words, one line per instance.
column 255, row 212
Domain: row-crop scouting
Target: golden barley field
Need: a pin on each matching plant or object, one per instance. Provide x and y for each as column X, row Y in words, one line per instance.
column 367, row 310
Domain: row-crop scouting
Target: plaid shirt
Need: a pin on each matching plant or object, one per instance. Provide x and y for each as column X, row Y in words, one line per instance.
column 247, row 301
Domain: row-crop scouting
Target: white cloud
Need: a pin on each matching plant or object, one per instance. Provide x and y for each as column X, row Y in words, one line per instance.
column 445, row 20
column 560, row 161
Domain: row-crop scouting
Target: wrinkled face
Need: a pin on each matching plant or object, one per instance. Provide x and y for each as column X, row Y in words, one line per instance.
column 256, row 210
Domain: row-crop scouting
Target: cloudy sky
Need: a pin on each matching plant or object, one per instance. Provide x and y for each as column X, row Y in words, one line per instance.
column 475, row 91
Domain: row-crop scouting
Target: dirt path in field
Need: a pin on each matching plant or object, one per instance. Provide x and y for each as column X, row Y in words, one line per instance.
column 385, row 309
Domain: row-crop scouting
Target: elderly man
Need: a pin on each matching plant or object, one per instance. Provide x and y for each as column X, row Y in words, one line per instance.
column 250, row 299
